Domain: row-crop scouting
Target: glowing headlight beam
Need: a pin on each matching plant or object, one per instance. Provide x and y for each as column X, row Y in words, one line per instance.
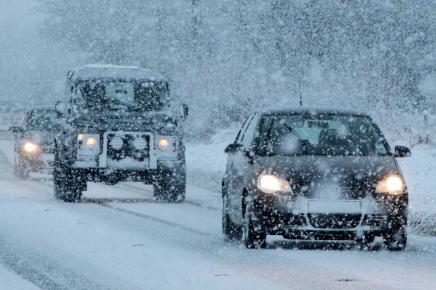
column 392, row 184
column 91, row 141
column 163, row 143
column 270, row 183
column 30, row 147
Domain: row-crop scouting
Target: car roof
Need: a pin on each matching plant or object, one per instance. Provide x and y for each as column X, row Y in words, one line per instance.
column 313, row 111
column 108, row 71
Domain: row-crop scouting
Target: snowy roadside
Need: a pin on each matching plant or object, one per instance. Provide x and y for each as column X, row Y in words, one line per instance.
column 420, row 172
column 207, row 162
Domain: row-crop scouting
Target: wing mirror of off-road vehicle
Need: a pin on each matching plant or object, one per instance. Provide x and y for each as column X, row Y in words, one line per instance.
column 184, row 111
column 60, row 108
column 402, row 151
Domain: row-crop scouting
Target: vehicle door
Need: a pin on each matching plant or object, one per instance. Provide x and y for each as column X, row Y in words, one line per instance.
column 241, row 167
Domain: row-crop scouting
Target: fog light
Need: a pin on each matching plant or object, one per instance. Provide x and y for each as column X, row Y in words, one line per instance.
column 116, row 143
column 140, row 143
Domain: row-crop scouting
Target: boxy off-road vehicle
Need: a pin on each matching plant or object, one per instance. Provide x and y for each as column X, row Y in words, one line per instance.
column 119, row 125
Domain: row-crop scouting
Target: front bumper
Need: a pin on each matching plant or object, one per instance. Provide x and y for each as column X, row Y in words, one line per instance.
column 42, row 163
column 303, row 218
column 146, row 175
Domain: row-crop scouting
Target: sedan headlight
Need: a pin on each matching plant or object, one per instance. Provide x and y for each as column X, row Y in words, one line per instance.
column 392, row 184
column 270, row 183
column 88, row 143
column 30, row 147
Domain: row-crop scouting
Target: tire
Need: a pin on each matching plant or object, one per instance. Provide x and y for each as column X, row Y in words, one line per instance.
column 231, row 231
column 254, row 234
column 396, row 240
column 366, row 242
column 20, row 169
column 67, row 186
column 170, row 185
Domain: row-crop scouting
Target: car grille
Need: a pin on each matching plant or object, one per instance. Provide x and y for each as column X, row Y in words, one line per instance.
column 334, row 221
column 375, row 220
column 128, row 145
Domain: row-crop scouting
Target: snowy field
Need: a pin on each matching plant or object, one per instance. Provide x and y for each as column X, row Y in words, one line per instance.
column 120, row 238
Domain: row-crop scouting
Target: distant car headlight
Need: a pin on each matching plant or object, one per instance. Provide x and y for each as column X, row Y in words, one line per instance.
column 88, row 143
column 392, row 184
column 166, row 143
column 30, row 147
column 270, row 183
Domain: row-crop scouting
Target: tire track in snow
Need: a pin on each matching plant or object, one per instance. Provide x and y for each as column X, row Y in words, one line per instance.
column 153, row 218
column 190, row 202
column 41, row 270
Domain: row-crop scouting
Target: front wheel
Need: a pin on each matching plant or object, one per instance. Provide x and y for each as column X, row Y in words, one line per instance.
column 231, row 231
column 396, row 240
column 254, row 233
column 67, row 186
column 170, row 185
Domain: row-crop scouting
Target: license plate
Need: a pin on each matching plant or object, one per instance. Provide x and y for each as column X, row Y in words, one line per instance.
column 336, row 206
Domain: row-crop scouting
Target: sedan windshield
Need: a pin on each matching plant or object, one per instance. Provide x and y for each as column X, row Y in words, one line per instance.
column 113, row 95
column 328, row 134
column 42, row 120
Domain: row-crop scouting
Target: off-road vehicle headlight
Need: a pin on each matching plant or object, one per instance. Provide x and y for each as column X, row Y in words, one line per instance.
column 270, row 183
column 166, row 143
column 392, row 184
column 88, row 143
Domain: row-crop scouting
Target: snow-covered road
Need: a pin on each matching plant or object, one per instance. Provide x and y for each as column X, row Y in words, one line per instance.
column 120, row 238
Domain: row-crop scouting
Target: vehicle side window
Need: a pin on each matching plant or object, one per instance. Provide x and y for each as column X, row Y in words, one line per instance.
column 241, row 132
column 247, row 138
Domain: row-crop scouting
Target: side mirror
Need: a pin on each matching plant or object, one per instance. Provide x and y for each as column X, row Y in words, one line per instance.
column 184, row 111
column 61, row 108
column 16, row 129
column 402, row 151
column 233, row 148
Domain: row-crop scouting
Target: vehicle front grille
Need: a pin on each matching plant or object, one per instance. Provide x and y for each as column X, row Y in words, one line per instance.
column 375, row 220
column 334, row 221
column 128, row 145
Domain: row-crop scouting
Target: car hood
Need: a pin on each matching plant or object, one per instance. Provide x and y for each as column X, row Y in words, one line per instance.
column 344, row 176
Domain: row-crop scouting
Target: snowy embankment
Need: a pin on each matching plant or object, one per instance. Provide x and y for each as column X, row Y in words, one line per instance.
column 420, row 174
column 207, row 162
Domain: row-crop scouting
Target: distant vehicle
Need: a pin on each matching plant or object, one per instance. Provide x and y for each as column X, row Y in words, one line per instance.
column 120, row 126
column 34, row 142
column 325, row 175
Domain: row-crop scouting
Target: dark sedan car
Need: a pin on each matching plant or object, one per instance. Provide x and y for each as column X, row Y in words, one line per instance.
column 34, row 142
column 314, row 175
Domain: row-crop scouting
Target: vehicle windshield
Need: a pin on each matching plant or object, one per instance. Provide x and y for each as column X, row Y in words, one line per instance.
column 46, row 120
column 113, row 95
column 329, row 135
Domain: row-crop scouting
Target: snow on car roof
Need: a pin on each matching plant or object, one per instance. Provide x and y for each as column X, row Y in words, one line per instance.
column 108, row 71
column 313, row 111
